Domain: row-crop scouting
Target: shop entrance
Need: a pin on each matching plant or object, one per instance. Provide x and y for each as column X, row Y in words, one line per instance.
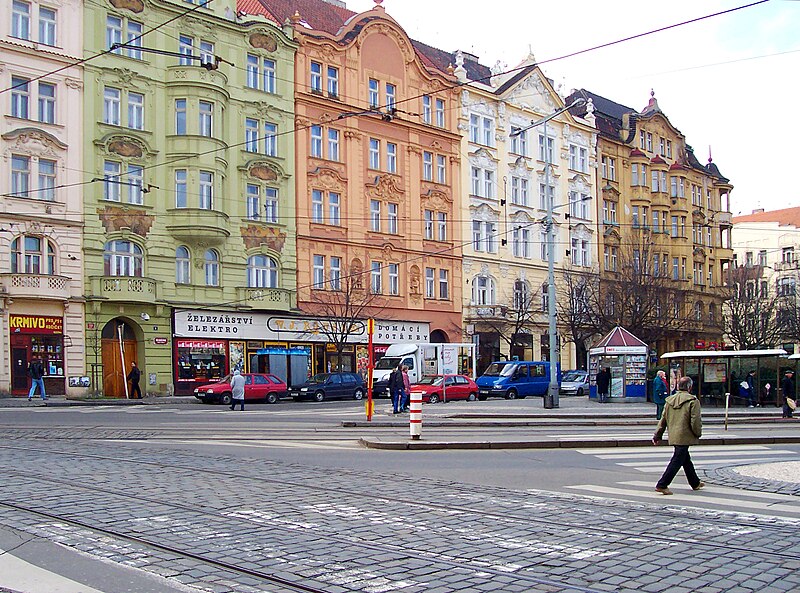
column 119, row 349
column 19, row 369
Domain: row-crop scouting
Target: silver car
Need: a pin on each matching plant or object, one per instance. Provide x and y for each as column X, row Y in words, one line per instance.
column 574, row 383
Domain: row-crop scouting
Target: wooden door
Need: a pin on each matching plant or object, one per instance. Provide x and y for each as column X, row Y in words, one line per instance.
column 114, row 370
column 19, row 370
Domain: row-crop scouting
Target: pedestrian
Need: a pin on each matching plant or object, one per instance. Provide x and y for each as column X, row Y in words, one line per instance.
column 237, row 390
column 748, row 387
column 660, row 392
column 682, row 421
column 134, row 377
column 406, row 388
column 603, row 381
column 36, row 373
column 396, row 388
column 787, row 385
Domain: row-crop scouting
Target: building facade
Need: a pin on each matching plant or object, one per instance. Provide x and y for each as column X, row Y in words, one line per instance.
column 664, row 216
column 191, row 204
column 41, row 222
column 378, row 180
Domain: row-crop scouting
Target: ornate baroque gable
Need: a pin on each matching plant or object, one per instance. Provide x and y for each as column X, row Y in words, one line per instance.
column 33, row 142
column 385, row 187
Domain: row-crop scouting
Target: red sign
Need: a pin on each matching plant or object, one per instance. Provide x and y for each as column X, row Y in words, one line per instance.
column 379, row 349
column 201, row 344
column 160, row 341
column 35, row 324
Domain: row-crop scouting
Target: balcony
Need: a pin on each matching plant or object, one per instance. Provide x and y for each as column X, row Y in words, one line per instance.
column 787, row 266
column 724, row 219
column 35, row 286
column 126, row 288
column 275, row 299
column 476, row 312
column 197, row 225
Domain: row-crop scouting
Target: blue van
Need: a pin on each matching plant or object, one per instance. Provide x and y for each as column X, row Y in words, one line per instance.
column 515, row 378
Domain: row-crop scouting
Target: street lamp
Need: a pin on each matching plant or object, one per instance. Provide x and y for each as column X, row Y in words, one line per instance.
column 551, row 399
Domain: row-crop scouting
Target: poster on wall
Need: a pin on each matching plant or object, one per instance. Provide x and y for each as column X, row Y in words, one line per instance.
column 236, row 354
column 714, row 372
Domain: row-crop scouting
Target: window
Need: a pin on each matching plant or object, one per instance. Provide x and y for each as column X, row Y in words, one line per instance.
column 444, row 285
column 374, row 93
column 427, row 166
column 20, row 97
column 317, row 145
column 182, row 265
column 135, row 184
column 683, row 268
column 546, row 196
column 661, row 146
column 181, row 196
column 483, row 182
column 442, row 225
column 47, row 103
column 635, row 217
column 546, row 154
column 675, row 269
column 47, row 26
column 610, row 168
column 335, row 275
column 374, row 154
column 318, row 271
column 271, row 205
column 609, row 212
column 655, row 221
column 578, row 158
column 428, row 214
column 206, row 190
column 113, row 33
column 521, row 296
column 674, row 226
column 376, row 278
column 111, row 174
column 649, row 144
column 260, row 73
column 211, row 267
column 391, row 157
column 391, row 218
column 579, row 205
column 481, row 130
column 270, row 139
column 391, row 95
column 639, row 174
column 112, row 171
column 426, row 114
column 21, row 20
column 484, row 236
column 610, row 255
column 316, row 141
column 123, row 258
column 394, row 279
column 136, row 111
column 483, row 291
column 375, row 216
column 521, row 242
column 134, row 41
column 316, row 77
column 253, row 197
column 251, row 134
column 206, row 125
column 262, row 272
column 440, row 113
column 185, row 47
column 430, row 279
column 787, row 255
column 334, row 208
column 519, row 141
column 47, row 180
column 111, row 106
column 333, row 144
column 762, row 257
column 580, row 253
column 317, row 206
column 333, row 82
column 519, row 191
column 669, row 149
column 20, row 175
column 180, row 117
column 441, row 169
column 32, row 255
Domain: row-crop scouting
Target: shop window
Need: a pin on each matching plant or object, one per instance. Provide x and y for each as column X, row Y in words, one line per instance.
column 201, row 360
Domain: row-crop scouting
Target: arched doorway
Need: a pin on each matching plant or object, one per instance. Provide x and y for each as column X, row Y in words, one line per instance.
column 119, row 350
column 439, row 337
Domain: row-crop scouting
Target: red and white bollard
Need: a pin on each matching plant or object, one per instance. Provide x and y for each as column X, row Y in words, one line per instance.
column 415, row 415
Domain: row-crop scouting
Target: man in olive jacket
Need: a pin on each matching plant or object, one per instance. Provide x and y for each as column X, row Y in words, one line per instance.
column 682, row 420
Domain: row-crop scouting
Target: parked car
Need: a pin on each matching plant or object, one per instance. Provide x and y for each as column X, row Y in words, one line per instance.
column 436, row 388
column 257, row 387
column 574, row 383
column 331, row 386
column 516, row 378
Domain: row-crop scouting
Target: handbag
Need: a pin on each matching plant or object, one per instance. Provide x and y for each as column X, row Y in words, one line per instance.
column 791, row 403
column 744, row 385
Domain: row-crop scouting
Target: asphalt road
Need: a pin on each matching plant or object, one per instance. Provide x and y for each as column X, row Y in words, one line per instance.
column 279, row 498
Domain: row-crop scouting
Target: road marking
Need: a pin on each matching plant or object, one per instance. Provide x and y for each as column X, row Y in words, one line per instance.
column 697, row 452
column 265, row 444
column 697, row 448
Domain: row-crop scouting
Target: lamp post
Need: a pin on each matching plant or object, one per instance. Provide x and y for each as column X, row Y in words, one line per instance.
column 551, row 399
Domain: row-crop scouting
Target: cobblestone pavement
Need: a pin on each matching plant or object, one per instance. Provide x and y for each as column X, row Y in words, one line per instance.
column 232, row 524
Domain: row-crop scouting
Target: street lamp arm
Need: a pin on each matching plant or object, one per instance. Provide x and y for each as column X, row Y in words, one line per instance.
column 576, row 103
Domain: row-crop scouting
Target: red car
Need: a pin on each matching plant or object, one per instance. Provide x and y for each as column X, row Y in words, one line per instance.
column 436, row 388
column 257, row 387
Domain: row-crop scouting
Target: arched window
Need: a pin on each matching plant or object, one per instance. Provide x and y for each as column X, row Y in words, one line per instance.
column 483, row 290
column 212, row 268
column 712, row 313
column 32, row 255
column 521, row 295
column 262, row 272
column 123, row 258
column 182, row 266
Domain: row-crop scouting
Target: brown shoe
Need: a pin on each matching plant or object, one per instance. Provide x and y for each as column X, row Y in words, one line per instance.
column 700, row 486
column 665, row 491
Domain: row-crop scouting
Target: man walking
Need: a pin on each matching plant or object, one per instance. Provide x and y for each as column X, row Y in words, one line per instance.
column 787, row 385
column 682, row 420
column 603, row 381
column 134, row 377
column 396, row 389
column 660, row 392
column 36, row 373
column 237, row 390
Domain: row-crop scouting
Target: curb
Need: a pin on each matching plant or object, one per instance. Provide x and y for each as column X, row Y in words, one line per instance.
column 561, row 421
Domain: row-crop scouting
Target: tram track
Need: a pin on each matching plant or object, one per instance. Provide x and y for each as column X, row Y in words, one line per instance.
column 748, row 522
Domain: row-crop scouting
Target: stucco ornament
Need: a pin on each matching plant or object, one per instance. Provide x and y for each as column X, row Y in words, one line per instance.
column 33, row 142
column 436, row 199
column 136, row 6
column 199, row 27
column 256, row 235
column 125, row 146
column 117, row 218
column 385, row 187
column 328, row 179
column 263, row 171
column 263, row 40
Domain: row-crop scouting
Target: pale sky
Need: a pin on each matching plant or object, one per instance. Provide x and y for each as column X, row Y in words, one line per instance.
column 729, row 82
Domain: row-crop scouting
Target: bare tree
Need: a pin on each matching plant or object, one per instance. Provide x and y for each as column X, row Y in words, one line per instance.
column 513, row 319
column 751, row 312
column 576, row 292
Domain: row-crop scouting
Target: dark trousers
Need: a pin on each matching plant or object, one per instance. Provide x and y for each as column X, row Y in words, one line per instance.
column 136, row 389
column 680, row 459
column 237, row 401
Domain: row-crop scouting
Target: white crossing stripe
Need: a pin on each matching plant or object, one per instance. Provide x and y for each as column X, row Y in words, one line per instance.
column 262, row 444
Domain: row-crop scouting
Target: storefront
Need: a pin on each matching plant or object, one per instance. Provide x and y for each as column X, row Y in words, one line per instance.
column 210, row 344
column 626, row 357
column 32, row 337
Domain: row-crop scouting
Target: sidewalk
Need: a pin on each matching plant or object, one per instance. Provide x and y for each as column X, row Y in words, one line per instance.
column 7, row 401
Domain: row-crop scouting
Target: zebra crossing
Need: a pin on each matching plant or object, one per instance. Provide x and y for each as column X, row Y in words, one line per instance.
column 652, row 461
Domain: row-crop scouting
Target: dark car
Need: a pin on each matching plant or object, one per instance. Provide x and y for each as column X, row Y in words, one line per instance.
column 331, row 386
column 257, row 387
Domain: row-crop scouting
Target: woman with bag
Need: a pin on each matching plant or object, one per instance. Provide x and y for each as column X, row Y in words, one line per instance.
column 789, row 401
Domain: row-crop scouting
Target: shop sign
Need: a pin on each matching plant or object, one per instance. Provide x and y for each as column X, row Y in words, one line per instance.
column 35, row 324
column 218, row 323
column 201, row 344
column 402, row 331
column 160, row 341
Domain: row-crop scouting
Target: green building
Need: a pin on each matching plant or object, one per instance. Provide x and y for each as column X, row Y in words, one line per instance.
column 189, row 140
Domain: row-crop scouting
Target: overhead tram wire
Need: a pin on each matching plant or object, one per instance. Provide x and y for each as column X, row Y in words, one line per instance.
column 345, row 116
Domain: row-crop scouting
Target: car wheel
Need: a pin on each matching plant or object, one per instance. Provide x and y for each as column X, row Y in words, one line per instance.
column 433, row 398
column 319, row 396
column 226, row 399
column 272, row 398
column 580, row 392
column 472, row 397
column 358, row 394
column 511, row 394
